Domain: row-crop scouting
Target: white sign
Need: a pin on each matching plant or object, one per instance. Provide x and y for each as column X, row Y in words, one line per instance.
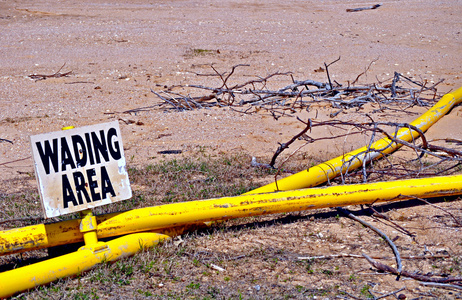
column 80, row 168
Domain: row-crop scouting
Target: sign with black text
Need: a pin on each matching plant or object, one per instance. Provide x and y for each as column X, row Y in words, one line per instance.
column 80, row 168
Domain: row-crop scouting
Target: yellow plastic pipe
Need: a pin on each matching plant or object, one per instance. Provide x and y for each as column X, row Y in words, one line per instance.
column 88, row 227
column 176, row 215
column 193, row 212
column 66, row 232
column 340, row 165
column 85, row 258
column 41, row 236
column 175, row 218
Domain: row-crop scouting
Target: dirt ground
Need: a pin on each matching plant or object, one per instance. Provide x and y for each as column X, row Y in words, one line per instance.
column 119, row 51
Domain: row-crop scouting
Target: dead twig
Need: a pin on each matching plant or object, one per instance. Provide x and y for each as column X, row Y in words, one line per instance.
column 5, row 140
column 284, row 146
column 452, row 152
column 363, row 8
column 389, row 294
column 436, row 206
column 297, row 96
column 163, row 98
column 350, row 295
column 424, row 278
column 446, row 155
column 327, row 71
column 38, row 77
column 442, row 285
column 379, row 232
column 365, row 71
column 400, row 228
column 254, row 163
column 346, row 255
column 25, row 219
column 16, row 160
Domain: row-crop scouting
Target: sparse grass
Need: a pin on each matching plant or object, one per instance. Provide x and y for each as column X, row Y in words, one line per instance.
column 21, row 206
column 201, row 52
column 196, row 177
column 193, row 178
column 22, row 119
column 259, row 254
column 365, row 291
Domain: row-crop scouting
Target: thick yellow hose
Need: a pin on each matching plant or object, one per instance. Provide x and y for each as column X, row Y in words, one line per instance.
column 67, row 232
column 85, row 258
column 62, row 233
column 193, row 212
column 180, row 214
column 321, row 173
column 176, row 214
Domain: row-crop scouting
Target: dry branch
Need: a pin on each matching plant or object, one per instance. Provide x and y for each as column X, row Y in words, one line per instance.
column 25, row 219
column 446, row 156
column 5, row 140
column 298, row 95
column 442, row 285
column 363, row 8
column 327, row 71
column 396, row 226
column 459, row 223
column 424, row 278
column 389, row 294
column 258, row 95
column 284, row 146
column 347, row 255
column 379, row 232
column 13, row 161
column 38, row 77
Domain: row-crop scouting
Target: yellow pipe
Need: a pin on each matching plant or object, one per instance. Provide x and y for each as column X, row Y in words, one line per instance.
column 41, row 236
column 178, row 214
column 66, row 232
column 193, row 212
column 340, row 165
column 85, row 258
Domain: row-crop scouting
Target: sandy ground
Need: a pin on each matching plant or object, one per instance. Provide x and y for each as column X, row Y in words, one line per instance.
column 118, row 51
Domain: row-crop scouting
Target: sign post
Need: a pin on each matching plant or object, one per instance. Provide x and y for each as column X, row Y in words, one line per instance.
column 78, row 169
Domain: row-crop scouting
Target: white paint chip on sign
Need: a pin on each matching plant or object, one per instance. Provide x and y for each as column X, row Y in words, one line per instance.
column 80, row 168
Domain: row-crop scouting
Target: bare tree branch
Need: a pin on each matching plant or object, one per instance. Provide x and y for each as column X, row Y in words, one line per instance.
column 379, row 232
column 424, row 278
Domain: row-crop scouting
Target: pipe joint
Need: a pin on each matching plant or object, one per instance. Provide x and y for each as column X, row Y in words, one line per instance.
column 88, row 222
column 98, row 247
column 88, row 227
